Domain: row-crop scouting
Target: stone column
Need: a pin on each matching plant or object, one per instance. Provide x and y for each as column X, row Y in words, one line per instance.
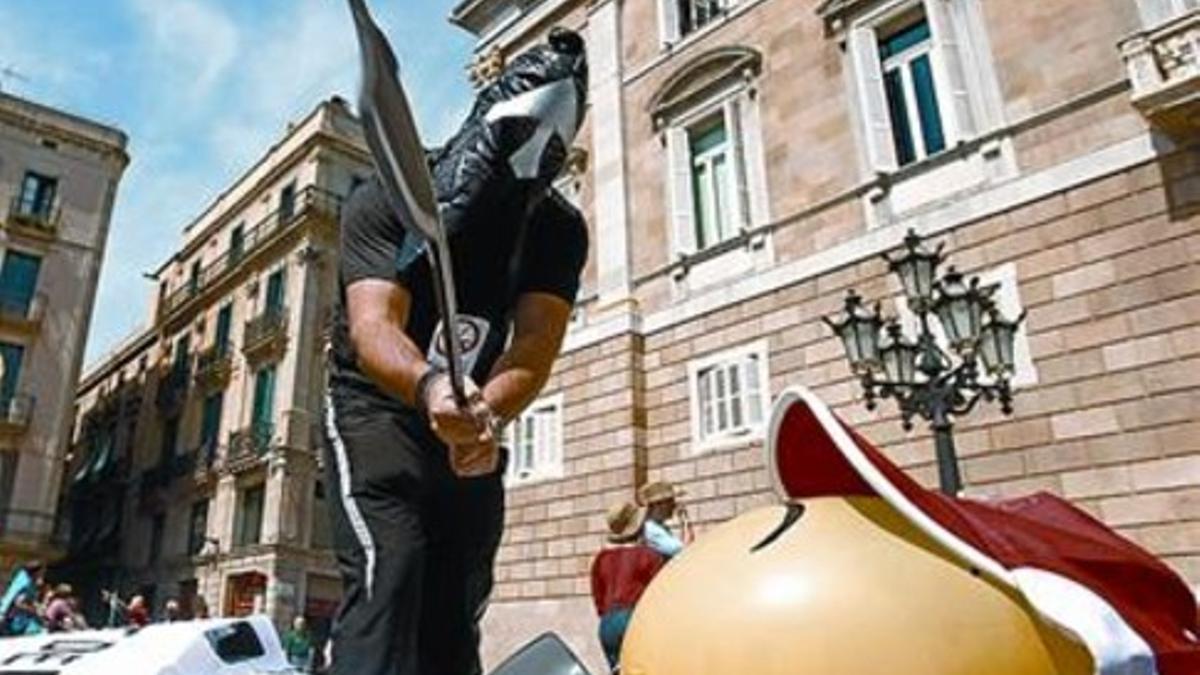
column 608, row 152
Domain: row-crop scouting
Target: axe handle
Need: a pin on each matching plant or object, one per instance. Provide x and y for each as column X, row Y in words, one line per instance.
column 444, row 293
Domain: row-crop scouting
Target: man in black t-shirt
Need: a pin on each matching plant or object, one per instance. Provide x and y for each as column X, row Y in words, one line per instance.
column 418, row 511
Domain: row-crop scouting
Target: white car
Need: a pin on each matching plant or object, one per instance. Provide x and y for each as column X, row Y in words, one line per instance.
column 247, row 646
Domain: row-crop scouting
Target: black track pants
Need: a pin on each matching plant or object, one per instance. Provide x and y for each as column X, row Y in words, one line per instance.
column 415, row 546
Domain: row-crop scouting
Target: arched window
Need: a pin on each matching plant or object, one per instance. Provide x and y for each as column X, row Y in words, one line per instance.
column 707, row 117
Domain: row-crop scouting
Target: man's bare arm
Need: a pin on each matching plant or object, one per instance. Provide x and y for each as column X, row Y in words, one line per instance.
column 538, row 328
column 377, row 311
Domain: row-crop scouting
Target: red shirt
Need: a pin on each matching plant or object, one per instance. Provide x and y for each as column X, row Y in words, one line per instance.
column 138, row 616
column 620, row 575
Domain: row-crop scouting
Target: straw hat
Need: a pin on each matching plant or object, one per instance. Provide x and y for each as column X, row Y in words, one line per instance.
column 625, row 522
column 658, row 491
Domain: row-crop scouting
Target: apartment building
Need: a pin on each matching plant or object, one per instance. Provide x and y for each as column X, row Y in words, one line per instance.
column 58, row 179
column 196, row 472
column 743, row 165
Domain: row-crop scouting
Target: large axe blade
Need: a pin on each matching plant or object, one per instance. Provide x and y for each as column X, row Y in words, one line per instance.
column 391, row 134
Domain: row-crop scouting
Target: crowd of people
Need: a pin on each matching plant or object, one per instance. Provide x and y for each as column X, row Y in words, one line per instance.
column 31, row 606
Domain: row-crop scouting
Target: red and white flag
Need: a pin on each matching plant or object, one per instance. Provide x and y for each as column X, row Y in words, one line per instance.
column 1133, row 613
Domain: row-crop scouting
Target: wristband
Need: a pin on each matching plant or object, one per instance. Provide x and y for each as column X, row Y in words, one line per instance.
column 424, row 382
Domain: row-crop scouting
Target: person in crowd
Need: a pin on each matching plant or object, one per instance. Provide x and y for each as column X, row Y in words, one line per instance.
column 200, row 608
column 661, row 500
column 23, row 618
column 298, row 645
column 115, row 617
column 620, row 573
column 60, row 611
column 137, row 613
column 171, row 612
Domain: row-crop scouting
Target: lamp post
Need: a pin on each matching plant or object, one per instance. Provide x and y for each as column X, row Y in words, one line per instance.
column 926, row 379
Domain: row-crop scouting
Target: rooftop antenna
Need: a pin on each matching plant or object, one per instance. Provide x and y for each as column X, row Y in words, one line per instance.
column 8, row 72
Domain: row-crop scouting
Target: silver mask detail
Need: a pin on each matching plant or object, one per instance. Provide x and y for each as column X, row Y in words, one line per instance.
column 556, row 108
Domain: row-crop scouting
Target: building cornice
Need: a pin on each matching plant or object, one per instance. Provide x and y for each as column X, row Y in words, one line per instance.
column 319, row 138
column 136, row 343
column 105, row 141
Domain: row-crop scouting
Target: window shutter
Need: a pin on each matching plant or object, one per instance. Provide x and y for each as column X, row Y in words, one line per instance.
column 668, row 22
column 954, row 94
column 752, row 150
column 679, row 161
column 753, row 387
column 737, row 143
column 864, row 53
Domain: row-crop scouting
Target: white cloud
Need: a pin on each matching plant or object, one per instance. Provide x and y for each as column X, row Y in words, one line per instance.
column 206, row 86
column 302, row 55
column 196, row 41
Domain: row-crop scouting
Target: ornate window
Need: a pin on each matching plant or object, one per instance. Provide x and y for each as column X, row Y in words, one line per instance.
column 707, row 117
column 925, row 98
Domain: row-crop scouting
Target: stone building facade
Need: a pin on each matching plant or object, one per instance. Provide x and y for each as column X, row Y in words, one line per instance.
column 58, row 179
column 196, row 471
column 746, row 163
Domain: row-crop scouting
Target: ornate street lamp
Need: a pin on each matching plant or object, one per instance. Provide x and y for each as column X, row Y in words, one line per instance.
column 916, row 269
column 859, row 331
column 925, row 379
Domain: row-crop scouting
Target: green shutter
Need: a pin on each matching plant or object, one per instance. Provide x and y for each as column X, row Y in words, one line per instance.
column 275, row 291
column 264, row 405
column 224, row 325
column 210, row 428
column 183, row 348
column 12, row 356
column 927, row 106
column 18, row 281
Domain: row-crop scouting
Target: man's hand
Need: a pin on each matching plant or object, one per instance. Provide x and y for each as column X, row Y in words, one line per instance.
column 455, row 424
column 472, row 460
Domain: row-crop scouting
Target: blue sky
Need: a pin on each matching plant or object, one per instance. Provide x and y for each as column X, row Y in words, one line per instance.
column 202, row 88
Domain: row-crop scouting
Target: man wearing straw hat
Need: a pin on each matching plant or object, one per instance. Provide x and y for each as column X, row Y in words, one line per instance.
column 661, row 499
column 620, row 573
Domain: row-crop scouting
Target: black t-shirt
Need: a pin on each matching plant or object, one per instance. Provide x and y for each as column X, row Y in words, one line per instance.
column 489, row 276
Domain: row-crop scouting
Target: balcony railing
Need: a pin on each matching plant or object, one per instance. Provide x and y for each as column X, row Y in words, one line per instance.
column 161, row 475
column 213, row 367
column 265, row 335
column 309, row 202
column 42, row 220
column 172, row 387
column 16, row 412
column 1164, row 68
column 249, row 446
column 18, row 308
column 202, row 462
